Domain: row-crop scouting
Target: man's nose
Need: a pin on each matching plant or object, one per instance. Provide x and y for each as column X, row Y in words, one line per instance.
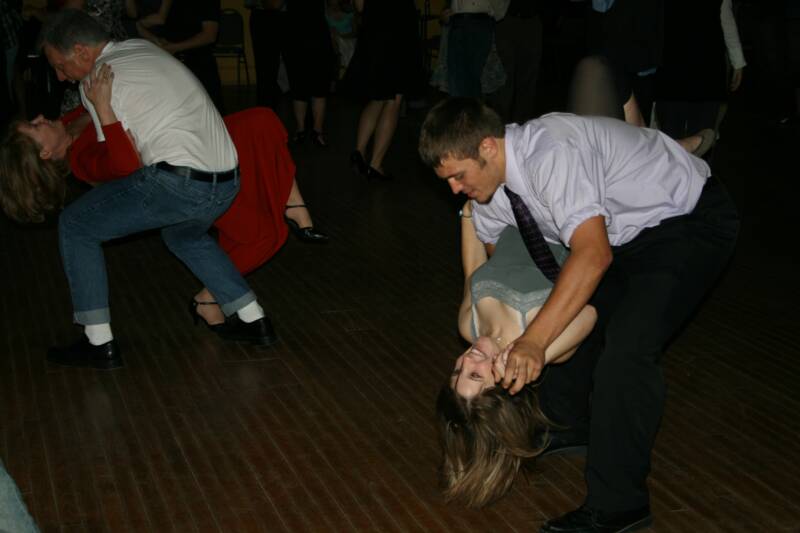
column 455, row 186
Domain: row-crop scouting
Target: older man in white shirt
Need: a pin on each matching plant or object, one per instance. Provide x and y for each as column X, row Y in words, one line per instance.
column 189, row 178
column 648, row 231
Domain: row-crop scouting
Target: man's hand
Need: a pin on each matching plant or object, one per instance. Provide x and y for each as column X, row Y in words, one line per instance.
column 169, row 47
column 736, row 79
column 525, row 363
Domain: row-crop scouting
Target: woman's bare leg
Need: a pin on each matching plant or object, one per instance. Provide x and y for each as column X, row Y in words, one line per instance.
column 301, row 215
column 318, row 112
column 210, row 312
column 367, row 123
column 299, row 108
column 387, row 124
column 633, row 115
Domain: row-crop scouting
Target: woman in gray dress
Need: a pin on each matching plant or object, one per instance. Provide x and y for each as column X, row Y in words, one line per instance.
column 487, row 434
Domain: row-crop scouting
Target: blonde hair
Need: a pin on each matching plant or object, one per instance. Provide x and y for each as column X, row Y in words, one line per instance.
column 486, row 440
column 30, row 187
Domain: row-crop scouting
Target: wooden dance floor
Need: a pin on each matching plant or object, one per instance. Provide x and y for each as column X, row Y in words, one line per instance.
column 333, row 428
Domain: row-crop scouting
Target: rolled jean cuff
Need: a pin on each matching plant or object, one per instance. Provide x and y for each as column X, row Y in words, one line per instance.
column 231, row 307
column 92, row 317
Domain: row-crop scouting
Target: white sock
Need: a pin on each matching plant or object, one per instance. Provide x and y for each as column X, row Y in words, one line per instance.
column 99, row 333
column 250, row 312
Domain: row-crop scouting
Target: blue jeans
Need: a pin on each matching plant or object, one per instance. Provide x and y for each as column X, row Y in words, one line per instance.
column 149, row 198
column 468, row 47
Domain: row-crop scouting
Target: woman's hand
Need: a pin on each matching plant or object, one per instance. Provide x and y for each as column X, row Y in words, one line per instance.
column 525, row 363
column 98, row 91
column 97, row 86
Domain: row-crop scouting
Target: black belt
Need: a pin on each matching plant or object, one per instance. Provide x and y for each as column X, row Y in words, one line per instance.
column 471, row 16
column 199, row 175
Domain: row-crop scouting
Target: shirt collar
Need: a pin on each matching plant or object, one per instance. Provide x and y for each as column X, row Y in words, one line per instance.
column 514, row 180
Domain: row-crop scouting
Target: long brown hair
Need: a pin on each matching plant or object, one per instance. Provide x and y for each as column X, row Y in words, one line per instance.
column 30, row 187
column 485, row 440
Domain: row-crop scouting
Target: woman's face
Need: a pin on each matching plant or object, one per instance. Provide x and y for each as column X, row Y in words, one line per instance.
column 473, row 370
column 50, row 136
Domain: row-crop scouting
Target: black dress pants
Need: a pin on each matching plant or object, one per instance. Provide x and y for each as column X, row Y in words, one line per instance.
column 652, row 287
column 268, row 31
column 203, row 65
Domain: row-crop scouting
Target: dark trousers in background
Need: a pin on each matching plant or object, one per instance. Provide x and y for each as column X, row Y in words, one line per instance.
column 267, row 28
column 203, row 65
column 681, row 119
column 654, row 284
column 519, row 45
column 468, row 47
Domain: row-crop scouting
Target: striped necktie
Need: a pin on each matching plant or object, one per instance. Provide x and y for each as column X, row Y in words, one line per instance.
column 532, row 237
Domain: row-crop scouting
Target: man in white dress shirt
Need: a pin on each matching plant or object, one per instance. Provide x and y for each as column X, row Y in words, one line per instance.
column 189, row 177
column 648, row 230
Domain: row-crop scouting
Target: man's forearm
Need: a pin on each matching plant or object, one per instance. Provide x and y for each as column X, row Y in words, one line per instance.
column 579, row 278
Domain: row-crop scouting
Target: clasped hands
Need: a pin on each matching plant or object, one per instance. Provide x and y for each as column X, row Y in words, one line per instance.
column 520, row 363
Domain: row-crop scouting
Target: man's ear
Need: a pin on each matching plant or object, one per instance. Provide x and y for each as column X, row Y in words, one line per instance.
column 488, row 148
column 80, row 51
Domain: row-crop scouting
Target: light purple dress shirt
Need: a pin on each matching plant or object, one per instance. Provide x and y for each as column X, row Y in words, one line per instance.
column 568, row 169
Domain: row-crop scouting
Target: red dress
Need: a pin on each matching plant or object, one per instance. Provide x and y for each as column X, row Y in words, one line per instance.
column 252, row 230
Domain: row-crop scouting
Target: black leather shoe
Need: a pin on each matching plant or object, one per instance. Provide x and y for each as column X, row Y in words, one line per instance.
column 319, row 138
column 307, row 234
column 375, row 174
column 84, row 354
column 566, row 442
column 259, row 332
column 358, row 163
column 586, row 520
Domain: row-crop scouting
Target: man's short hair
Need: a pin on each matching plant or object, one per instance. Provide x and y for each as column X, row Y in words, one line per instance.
column 455, row 128
column 68, row 27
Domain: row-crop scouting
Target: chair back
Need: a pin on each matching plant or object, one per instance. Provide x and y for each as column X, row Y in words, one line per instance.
column 231, row 29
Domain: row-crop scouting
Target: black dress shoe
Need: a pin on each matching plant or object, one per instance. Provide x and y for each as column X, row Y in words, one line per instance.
column 84, row 354
column 299, row 137
column 319, row 138
column 566, row 442
column 258, row 332
column 358, row 163
column 375, row 174
column 307, row 234
column 586, row 520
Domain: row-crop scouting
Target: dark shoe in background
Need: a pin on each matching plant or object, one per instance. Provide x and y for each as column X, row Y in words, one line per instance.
column 299, row 137
column 358, row 163
column 375, row 174
column 84, row 354
column 586, row 520
column 259, row 332
column 319, row 138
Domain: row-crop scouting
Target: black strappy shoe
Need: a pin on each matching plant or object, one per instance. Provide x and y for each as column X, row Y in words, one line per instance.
column 196, row 318
column 308, row 234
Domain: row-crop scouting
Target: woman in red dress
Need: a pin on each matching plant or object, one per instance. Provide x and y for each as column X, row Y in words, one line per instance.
column 252, row 230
